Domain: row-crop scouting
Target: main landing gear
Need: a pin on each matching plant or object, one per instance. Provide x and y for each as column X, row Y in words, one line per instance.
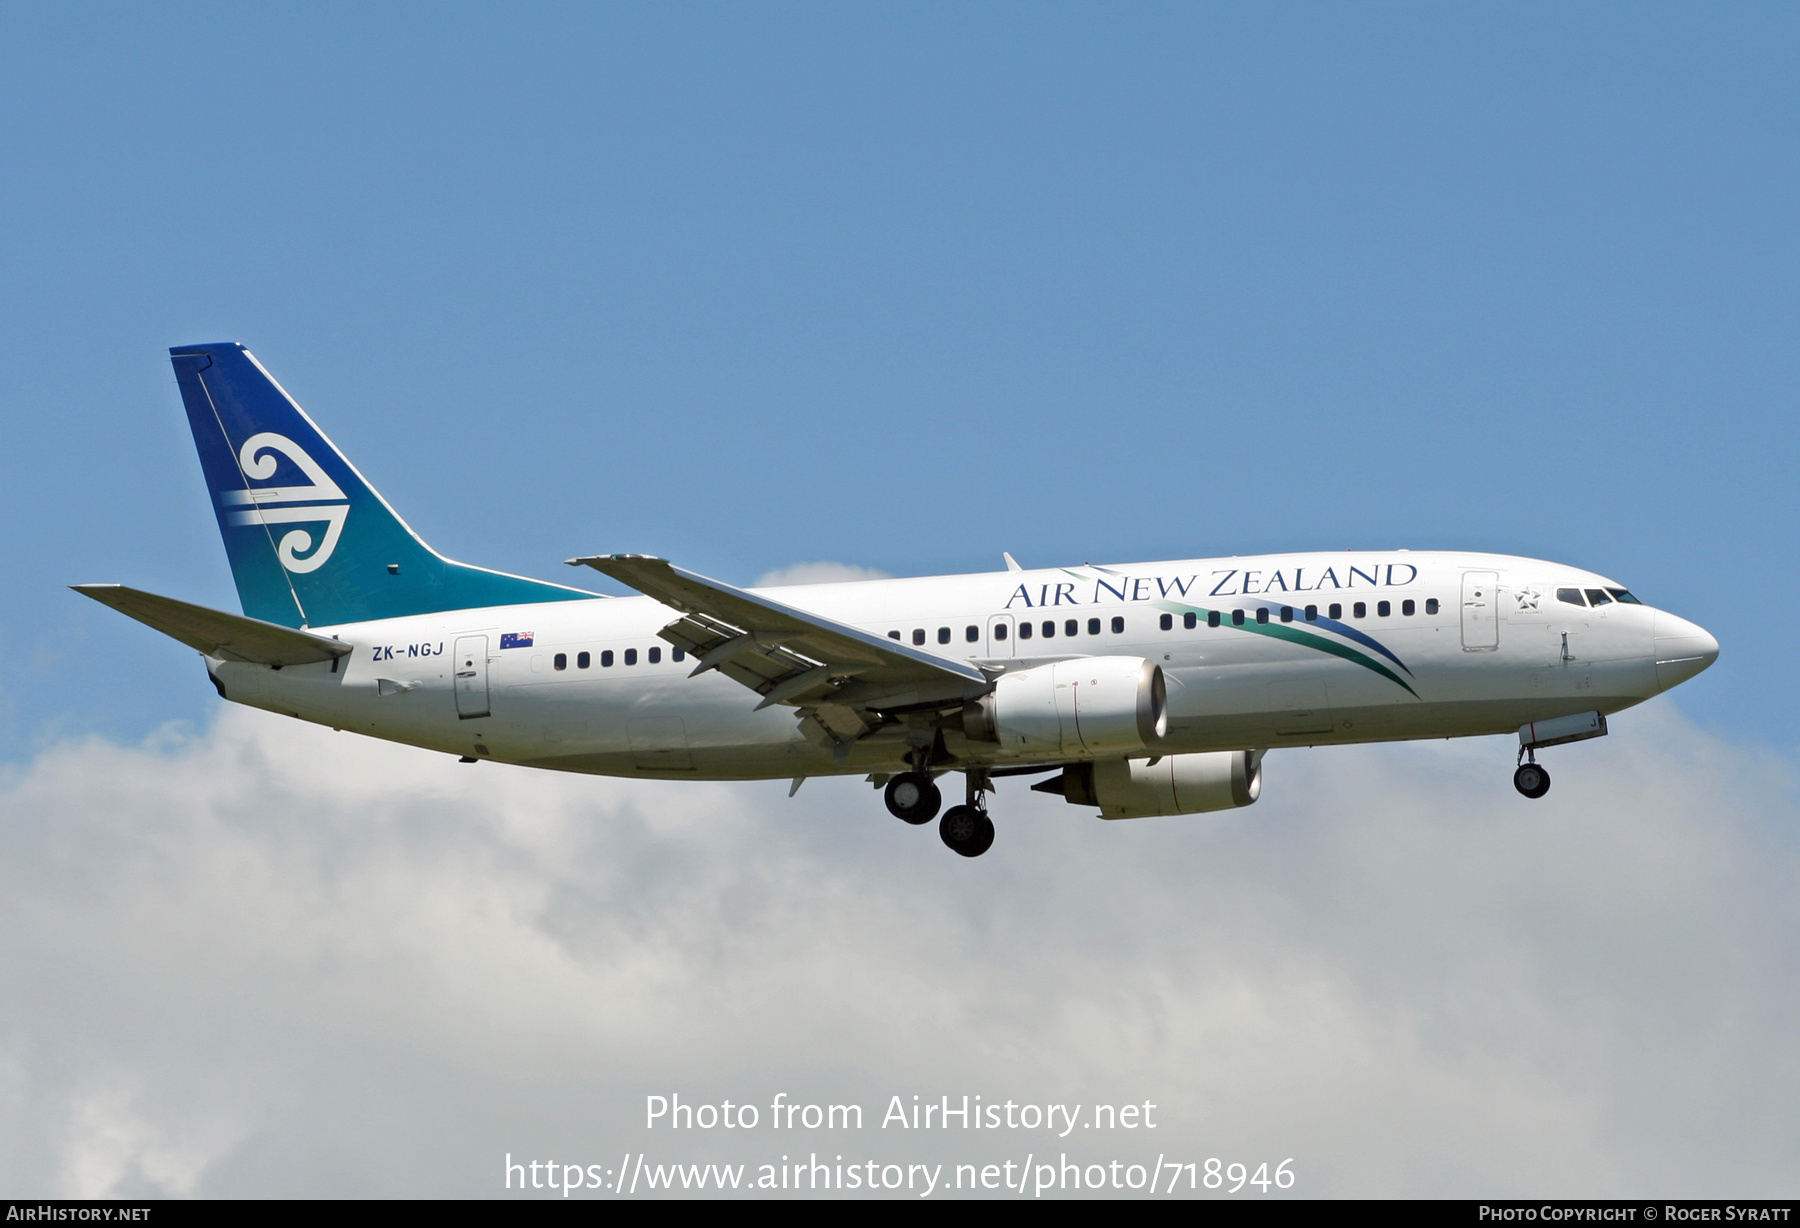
column 966, row 829
column 912, row 798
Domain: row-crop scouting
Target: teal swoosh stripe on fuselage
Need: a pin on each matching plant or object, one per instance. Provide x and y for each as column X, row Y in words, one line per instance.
column 1351, row 633
column 1295, row 635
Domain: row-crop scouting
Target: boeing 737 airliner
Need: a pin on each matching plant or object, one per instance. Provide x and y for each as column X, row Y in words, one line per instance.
column 1141, row 689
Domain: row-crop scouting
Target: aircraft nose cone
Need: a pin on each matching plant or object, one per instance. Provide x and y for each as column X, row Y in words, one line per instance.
column 1682, row 650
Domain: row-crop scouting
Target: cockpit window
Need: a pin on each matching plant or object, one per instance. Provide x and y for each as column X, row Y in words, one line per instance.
column 1623, row 597
column 1570, row 595
column 1597, row 597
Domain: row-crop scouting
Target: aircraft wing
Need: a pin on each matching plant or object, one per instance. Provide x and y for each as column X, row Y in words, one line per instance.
column 788, row 656
column 230, row 637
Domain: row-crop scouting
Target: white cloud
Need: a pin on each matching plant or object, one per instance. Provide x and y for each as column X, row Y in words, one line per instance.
column 273, row 959
column 817, row 573
column 109, row 1145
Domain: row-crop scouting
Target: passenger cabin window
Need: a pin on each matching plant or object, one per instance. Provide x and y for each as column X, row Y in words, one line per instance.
column 1049, row 629
column 1093, row 626
column 1407, row 607
column 631, row 656
column 1597, row 597
column 1190, row 620
column 606, row 659
column 1312, row 613
column 1624, row 597
column 1000, row 631
column 655, row 655
column 1118, row 625
column 893, row 635
column 943, row 635
column 1359, row 610
column 1262, row 614
column 1237, row 618
column 1431, row 605
column 1287, row 613
column 972, row 633
column 1384, row 608
column 1212, row 618
column 919, row 637
column 560, row 660
column 677, row 655
column 1071, row 627
column 583, row 660
column 1570, row 595
column 1024, row 630
column 1335, row 612
column 1166, row 622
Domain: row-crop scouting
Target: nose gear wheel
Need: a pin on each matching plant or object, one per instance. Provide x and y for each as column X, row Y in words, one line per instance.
column 1532, row 780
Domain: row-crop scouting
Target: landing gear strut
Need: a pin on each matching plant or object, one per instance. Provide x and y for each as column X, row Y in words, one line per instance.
column 966, row 829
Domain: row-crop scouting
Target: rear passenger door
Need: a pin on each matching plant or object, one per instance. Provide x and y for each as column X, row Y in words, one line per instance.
column 471, row 676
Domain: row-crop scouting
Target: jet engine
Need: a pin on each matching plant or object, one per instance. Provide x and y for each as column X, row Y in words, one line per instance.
column 1173, row 784
column 1087, row 706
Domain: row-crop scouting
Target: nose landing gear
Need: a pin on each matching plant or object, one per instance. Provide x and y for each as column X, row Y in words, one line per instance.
column 1531, row 780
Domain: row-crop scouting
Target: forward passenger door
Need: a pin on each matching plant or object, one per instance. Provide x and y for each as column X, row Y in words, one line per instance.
column 1480, row 611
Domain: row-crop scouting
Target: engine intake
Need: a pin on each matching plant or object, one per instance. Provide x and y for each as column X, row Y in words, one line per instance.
column 1174, row 784
column 1088, row 706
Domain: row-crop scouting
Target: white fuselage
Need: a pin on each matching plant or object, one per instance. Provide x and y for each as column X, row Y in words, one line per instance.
column 1486, row 647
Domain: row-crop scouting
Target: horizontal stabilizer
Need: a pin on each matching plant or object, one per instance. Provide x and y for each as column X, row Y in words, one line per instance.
column 215, row 633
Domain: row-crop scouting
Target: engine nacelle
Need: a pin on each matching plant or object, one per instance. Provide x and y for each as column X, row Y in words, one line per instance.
column 1088, row 706
column 1174, row 784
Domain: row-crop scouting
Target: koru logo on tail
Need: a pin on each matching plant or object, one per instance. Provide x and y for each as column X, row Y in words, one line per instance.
column 273, row 505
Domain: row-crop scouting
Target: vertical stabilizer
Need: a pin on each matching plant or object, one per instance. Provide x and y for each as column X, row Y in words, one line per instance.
column 310, row 542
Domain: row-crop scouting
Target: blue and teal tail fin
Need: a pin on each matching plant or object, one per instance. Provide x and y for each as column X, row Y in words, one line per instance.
column 311, row 543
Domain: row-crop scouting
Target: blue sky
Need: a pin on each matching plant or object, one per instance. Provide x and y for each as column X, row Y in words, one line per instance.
column 907, row 286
